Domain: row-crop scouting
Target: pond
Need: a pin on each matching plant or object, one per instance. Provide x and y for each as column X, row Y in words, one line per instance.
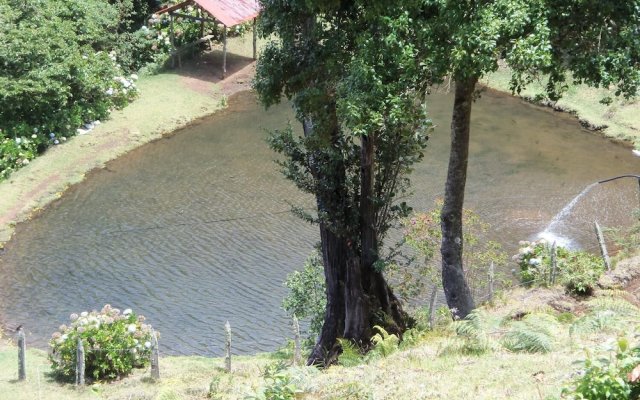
column 194, row 229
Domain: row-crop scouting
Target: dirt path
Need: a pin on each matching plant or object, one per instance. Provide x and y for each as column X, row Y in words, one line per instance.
column 167, row 101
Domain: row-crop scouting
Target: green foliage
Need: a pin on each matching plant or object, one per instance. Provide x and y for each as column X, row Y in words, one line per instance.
column 307, row 298
column 627, row 241
column 351, row 354
column 422, row 233
column 607, row 313
column 59, row 72
column 472, row 335
column 278, row 384
column 533, row 334
column 384, row 344
column 412, row 337
column 114, row 344
column 578, row 271
column 598, row 321
column 607, row 377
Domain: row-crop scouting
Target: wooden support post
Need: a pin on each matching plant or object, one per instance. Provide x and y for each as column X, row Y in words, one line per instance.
column 491, row 278
column 173, row 42
column 432, row 307
column 255, row 39
column 22, row 350
column 603, row 246
column 201, row 15
column 554, row 263
column 297, row 357
column 155, row 357
column 224, row 52
column 80, row 364
column 227, row 345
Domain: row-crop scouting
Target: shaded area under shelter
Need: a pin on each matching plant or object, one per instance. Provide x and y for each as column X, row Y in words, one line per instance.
column 228, row 13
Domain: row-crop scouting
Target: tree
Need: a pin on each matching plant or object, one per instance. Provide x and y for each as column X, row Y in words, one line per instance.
column 589, row 41
column 358, row 144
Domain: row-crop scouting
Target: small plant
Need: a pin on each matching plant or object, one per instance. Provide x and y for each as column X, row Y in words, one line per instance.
column 384, row 343
column 307, row 296
column 608, row 377
column 472, row 335
column 351, row 354
column 278, row 383
column 578, row 271
column 114, row 344
column 533, row 334
column 628, row 241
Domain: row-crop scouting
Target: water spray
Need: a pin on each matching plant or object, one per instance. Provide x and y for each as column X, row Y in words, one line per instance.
column 548, row 232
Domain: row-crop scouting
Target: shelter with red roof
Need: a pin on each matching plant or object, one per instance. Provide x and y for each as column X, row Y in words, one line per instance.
column 227, row 12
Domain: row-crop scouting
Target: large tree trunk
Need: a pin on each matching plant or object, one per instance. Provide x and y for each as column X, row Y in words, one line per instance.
column 334, row 258
column 359, row 269
column 456, row 290
column 356, row 293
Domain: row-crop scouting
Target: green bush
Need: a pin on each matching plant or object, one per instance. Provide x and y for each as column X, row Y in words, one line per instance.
column 114, row 344
column 578, row 271
column 307, row 294
column 607, row 378
column 422, row 233
column 59, row 73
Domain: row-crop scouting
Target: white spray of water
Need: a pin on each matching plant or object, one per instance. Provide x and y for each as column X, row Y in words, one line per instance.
column 549, row 234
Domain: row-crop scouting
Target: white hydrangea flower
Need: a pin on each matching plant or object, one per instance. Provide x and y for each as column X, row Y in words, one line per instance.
column 131, row 328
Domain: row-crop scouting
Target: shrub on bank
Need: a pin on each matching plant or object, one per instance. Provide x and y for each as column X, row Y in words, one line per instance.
column 115, row 342
column 578, row 271
column 59, row 73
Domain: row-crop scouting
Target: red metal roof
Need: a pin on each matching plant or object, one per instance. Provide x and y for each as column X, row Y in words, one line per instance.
column 231, row 12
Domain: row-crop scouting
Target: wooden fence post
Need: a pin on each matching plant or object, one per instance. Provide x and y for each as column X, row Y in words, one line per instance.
column 155, row 357
column 296, row 341
column 22, row 349
column 224, row 52
column 554, row 263
column 603, row 246
column 432, row 307
column 491, row 278
column 255, row 39
column 80, row 364
column 227, row 328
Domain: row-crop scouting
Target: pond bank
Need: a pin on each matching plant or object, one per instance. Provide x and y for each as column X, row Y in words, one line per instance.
column 618, row 121
column 168, row 101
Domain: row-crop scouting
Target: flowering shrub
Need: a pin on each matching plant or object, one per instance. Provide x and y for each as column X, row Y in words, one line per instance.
column 114, row 343
column 59, row 74
column 578, row 271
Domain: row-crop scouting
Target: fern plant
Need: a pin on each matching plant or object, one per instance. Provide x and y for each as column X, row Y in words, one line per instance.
column 472, row 335
column 597, row 321
column 351, row 354
column 384, row 343
column 535, row 333
column 609, row 313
